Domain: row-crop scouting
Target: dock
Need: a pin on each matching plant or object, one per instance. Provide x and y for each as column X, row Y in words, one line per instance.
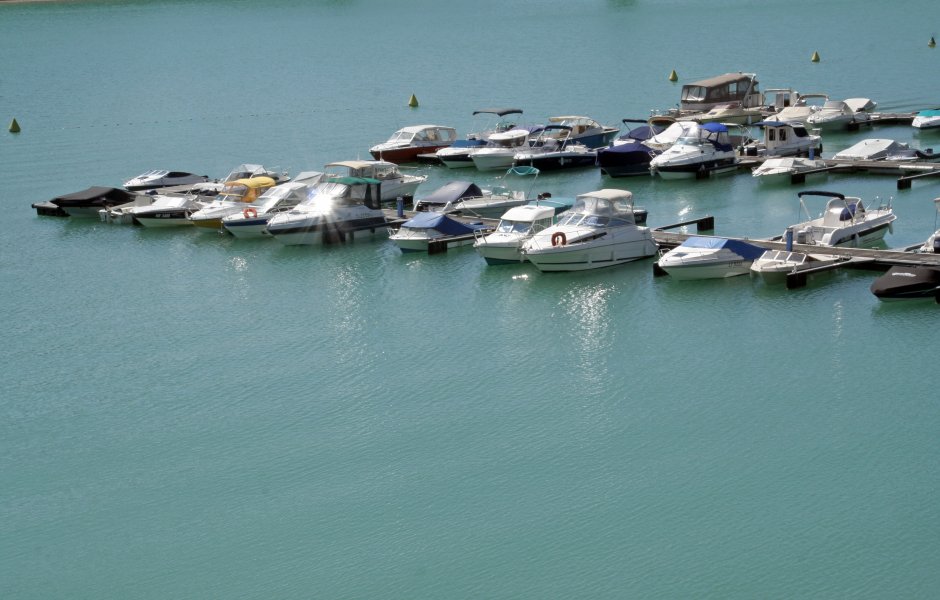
column 905, row 171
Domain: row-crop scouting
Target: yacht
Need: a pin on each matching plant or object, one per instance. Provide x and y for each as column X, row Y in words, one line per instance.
column 252, row 220
column 701, row 257
column 705, row 152
column 517, row 225
column 600, row 230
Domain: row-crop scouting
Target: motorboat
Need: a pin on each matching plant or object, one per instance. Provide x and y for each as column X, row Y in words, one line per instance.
column 629, row 154
column 408, row 142
column 782, row 169
column 167, row 210
column 123, row 213
column 883, row 149
column 87, row 203
column 336, row 210
column 708, row 151
column 394, row 183
column 926, row 119
column 231, row 199
column 773, row 265
column 518, row 224
column 252, row 220
column 465, row 198
column 845, row 221
column 242, row 171
column 796, row 110
column 932, row 245
column 502, row 147
column 457, row 155
column 585, row 130
column 157, row 179
column 842, row 114
column 434, row 231
column 701, row 257
column 555, row 149
column 782, row 138
column 908, row 282
column 444, row 198
column 739, row 91
column 600, row 230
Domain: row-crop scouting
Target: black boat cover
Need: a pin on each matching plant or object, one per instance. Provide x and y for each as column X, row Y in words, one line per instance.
column 94, row 196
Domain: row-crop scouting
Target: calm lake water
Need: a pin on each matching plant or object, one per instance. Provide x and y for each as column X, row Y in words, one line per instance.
column 186, row 415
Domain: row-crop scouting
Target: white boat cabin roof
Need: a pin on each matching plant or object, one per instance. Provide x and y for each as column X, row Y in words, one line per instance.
column 528, row 213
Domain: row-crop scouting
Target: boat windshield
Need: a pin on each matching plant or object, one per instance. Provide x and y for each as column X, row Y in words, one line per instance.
column 689, row 141
column 401, row 136
column 233, row 192
column 506, row 226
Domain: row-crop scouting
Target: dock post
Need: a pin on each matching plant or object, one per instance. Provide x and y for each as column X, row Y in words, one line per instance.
column 400, row 207
column 789, row 239
column 705, row 224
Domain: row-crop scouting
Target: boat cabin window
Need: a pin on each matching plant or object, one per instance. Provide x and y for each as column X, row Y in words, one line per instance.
column 513, row 226
column 771, row 135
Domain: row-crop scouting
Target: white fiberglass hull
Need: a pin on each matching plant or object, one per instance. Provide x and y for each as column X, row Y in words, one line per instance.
column 605, row 250
column 500, row 248
column 491, row 161
column 706, row 268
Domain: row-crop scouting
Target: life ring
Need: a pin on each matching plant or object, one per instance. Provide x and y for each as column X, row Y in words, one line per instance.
column 250, row 213
column 559, row 239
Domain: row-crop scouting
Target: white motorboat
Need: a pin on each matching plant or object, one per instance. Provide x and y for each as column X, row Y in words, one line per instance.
column 251, row 221
column 586, row 131
column 408, row 142
column 555, row 149
column 782, row 169
column 156, row 179
column 600, row 230
column 457, row 155
column 394, row 183
column 701, row 257
column 517, row 225
column 845, row 221
column 926, row 119
column 167, row 210
column 231, row 199
column 781, row 138
column 433, row 231
column 798, row 110
column 842, row 114
column 883, row 149
column 337, row 211
column 773, row 265
column 501, row 148
column 707, row 151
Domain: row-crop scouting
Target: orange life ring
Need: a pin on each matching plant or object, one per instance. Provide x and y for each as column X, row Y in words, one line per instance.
column 250, row 213
column 559, row 239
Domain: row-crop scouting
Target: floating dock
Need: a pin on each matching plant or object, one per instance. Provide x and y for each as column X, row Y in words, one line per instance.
column 906, row 170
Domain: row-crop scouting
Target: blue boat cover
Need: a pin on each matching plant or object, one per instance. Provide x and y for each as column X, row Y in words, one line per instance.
column 468, row 143
column 714, row 127
column 742, row 249
column 452, row 192
column 629, row 147
column 929, row 113
column 442, row 223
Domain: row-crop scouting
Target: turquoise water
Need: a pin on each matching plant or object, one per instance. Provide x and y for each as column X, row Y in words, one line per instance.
column 186, row 415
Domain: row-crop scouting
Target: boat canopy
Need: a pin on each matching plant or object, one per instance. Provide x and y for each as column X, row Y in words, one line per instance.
column 929, row 113
column 501, row 112
column 747, row 251
column 94, row 195
column 453, row 191
column 441, row 222
column 715, row 127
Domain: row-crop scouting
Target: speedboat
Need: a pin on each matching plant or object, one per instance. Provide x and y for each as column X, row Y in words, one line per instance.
column 706, row 152
column 844, row 222
column 883, row 149
column 253, row 219
column 168, row 210
column 457, row 155
column 465, row 198
column 908, row 282
column 926, row 119
column 88, row 202
column 797, row 110
column 629, row 154
column 434, row 231
column 731, row 90
column 600, row 230
column 587, row 131
column 394, row 183
column 782, row 169
column 231, row 199
column 555, row 149
column 709, row 258
column 502, row 147
column 336, row 211
column 777, row 264
column 842, row 114
column 408, row 142
column 781, row 138
column 152, row 180
column 517, row 225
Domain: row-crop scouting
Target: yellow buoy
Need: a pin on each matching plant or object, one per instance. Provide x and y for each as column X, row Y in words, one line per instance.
column 413, row 103
column 815, row 57
column 14, row 126
column 932, row 42
column 673, row 76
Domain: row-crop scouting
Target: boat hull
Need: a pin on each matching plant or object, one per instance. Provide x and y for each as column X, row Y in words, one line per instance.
column 587, row 256
column 406, row 154
column 908, row 283
column 557, row 162
column 695, row 170
column 305, row 233
column 711, row 270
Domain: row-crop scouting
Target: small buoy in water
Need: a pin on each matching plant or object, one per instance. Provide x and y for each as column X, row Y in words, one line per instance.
column 673, row 76
column 14, row 126
column 815, row 57
column 932, row 42
column 413, row 103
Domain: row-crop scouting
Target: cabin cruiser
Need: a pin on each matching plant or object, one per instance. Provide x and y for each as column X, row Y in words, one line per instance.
column 518, row 224
column 629, row 154
column 701, row 257
column 735, row 95
column 555, row 149
column 706, row 151
column 883, row 149
column 600, row 230
column 502, row 147
column 784, row 139
column 408, row 142
column 782, row 169
column 908, row 282
column 167, row 210
column 842, row 114
column 457, row 155
column 434, row 231
column 394, row 183
column 231, row 199
column 253, row 219
column 335, row 210
column 89, row 202
column 926, row 119
column 585, row 130
column 152, row 180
